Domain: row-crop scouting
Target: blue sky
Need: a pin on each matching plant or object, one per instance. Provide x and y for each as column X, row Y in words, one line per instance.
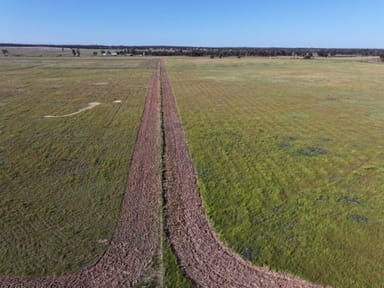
column 266, row 23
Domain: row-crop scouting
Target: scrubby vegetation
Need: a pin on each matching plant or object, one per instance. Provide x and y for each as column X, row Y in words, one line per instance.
column 202, row 51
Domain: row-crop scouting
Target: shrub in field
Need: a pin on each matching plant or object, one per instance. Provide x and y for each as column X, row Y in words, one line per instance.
column 308, row 56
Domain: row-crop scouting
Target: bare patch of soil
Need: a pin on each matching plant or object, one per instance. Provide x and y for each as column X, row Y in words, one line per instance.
column 103, row 241
column 89, row 107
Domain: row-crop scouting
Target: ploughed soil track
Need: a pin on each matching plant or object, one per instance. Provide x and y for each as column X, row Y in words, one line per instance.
column 136, row 242
column 202, row 256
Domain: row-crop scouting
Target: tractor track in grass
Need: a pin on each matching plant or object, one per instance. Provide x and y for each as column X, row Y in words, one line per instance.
column 202, row 256
column 135, row 244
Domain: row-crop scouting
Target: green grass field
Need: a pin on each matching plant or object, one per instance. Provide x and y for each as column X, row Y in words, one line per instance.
column 290, row 161
column 62, row 179
column 289, row 155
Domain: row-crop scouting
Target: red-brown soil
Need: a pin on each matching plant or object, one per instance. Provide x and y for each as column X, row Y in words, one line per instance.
column 202, row 256
column 136, row 242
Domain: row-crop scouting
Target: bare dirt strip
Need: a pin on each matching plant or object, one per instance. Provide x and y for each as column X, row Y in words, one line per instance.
column 89, row 107
column 202, row 256
column 136, row 242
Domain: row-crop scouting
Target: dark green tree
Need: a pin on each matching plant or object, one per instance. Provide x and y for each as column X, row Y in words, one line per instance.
column 309, row 55
column 322, row 53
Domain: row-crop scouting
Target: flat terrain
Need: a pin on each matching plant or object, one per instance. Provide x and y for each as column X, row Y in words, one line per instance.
column 289, row 157
column 202, row 255
column 62, row 179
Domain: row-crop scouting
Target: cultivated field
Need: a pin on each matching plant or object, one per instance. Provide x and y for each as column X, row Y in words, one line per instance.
column 290, row 162
column 62, row 179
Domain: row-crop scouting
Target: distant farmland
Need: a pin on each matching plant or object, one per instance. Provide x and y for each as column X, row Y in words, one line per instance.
column 289, row 155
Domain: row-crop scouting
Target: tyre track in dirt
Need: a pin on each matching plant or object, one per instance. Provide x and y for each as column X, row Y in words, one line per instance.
column 136, row 243
column 202, row 256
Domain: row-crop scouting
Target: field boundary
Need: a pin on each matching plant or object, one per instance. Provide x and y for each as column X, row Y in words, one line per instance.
column 202, row 256
column 135, row 244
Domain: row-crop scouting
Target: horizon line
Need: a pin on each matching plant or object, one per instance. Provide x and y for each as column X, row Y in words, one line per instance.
column 68, row 45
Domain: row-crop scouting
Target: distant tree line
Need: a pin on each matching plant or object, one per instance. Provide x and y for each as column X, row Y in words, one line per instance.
column 264, row 52
column 215, row 52
column 242, row 52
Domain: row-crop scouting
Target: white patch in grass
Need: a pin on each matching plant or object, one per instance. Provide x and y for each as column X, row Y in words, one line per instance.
column 89, row 107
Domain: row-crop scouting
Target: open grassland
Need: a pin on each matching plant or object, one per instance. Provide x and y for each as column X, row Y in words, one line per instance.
column 62, row 179
column 290, row 161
